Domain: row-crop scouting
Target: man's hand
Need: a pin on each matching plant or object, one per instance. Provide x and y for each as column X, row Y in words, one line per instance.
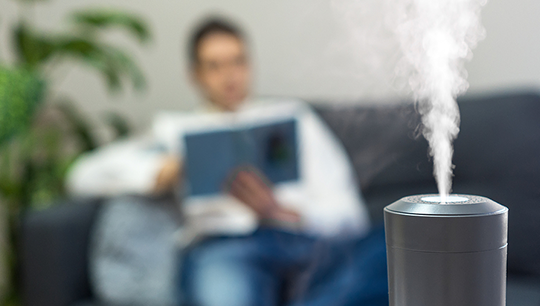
column 250, row 188
column 168, row 176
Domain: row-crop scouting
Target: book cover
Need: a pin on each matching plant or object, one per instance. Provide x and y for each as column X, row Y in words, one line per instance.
column 212, row 156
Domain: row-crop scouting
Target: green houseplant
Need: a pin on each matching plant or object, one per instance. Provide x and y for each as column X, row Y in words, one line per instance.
column 41, row 133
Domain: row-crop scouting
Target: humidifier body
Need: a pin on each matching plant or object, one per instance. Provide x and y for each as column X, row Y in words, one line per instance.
column 446, row 254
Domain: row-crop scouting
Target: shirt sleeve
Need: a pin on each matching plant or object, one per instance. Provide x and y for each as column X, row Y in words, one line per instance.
column 127, row 167
column 328, row 194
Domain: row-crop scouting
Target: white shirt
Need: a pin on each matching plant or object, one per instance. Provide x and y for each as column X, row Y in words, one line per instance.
column 326, row 195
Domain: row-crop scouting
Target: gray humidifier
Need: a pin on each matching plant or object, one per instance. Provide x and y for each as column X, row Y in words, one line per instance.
column 451, row 254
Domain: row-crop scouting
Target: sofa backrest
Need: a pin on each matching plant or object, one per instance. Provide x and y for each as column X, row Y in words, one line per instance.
column 500, row 136
column 384, row 142
column 497, row 155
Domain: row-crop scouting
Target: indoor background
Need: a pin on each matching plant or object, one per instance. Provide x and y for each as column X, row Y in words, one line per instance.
column 303, row 48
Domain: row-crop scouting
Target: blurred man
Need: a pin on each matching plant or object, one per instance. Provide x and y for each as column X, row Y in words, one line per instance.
column 297, row 243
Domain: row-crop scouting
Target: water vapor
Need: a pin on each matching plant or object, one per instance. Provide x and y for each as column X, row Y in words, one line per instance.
column 434, row 39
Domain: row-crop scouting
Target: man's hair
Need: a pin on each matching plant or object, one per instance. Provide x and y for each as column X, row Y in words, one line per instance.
column 214, row 25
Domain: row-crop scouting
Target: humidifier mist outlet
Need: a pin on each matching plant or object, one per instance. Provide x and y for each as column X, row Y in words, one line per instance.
column 446, row 252
column 445, row 200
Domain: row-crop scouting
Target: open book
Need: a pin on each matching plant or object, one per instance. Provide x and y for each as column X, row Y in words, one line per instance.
column 213, row 155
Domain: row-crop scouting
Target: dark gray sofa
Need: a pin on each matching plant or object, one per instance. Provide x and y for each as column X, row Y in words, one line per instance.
column 496, row 155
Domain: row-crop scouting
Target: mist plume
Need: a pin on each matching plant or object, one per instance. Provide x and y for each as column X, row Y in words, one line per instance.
column 434, row 39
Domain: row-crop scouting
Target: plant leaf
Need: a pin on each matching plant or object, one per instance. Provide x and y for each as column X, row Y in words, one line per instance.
column 119, row 124
column 110, row 61
column 80, row 125
column 20, row 93
column 32, row 49
column 92, row 54
column 102, row 19
column 127, row 66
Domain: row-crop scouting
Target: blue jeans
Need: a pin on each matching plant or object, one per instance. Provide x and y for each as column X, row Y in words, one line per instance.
column 272, row 267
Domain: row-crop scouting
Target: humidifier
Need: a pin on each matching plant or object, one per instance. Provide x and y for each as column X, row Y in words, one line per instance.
column 446, row 253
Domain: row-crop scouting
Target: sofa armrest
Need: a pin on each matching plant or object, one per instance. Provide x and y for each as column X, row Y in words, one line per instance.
column 54, row 253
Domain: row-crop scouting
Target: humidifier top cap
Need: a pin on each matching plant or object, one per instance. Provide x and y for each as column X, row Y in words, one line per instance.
column 467, row 224
column 455, row 205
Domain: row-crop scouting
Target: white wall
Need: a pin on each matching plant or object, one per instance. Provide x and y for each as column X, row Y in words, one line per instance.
column 300, row 50
column 510, row 55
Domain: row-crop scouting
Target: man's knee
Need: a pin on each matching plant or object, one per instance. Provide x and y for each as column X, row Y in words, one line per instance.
column 221, row 284
column 222, row 274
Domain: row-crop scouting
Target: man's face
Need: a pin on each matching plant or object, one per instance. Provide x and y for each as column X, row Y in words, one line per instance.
column 223, row 73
